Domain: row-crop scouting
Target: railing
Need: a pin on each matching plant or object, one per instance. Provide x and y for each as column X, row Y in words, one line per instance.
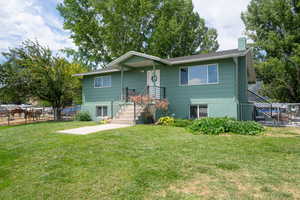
column 129, row 93
column 139, row 99
column 159, row 92
column 265, row 104
column 155, row 92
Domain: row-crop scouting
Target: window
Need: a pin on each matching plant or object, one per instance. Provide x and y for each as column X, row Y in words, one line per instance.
column 198, row 111
column 102, row 82
column 101, row 111
column 184, row 76
column 199, row 75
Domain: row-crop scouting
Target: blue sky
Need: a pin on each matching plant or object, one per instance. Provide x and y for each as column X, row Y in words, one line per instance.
column 39, row 19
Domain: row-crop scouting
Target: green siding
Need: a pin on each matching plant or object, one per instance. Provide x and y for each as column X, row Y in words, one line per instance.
column 245, row 108
column 181, row 97
column 92, row 94
column 134, row 59
column 242, row 80
column 223, row 99
column 91, row 108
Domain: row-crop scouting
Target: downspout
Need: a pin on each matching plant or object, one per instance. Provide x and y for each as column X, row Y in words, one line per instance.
column 235, row 60
column 154, row 83
column 154, row 74
column 122, row 77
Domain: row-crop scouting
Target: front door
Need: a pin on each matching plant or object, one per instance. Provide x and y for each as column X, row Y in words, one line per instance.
column 153, row 82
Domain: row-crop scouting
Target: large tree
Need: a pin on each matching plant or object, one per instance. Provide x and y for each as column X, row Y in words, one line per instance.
column 274, row 26
column 33, row 72
column 105, row 29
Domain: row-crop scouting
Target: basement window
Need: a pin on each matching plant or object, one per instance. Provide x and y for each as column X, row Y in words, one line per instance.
column 101, row 111
column 198, row 111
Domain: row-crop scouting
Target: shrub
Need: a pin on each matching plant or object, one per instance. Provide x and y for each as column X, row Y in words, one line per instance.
column 182, row 122
column 246, row 128
column 103, row 121
column 216, row 126
column 162, row 104
column 83, row 116
column 212, row 126
column 166, row 121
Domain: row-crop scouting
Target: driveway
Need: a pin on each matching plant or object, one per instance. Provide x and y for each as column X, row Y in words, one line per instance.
column 93, row 129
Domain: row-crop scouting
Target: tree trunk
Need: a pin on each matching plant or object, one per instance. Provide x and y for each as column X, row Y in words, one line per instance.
column 57, row 113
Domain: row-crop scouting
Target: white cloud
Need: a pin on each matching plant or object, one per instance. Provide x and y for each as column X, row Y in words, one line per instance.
column 21, row 20
column 35, row 19
column 225, row 16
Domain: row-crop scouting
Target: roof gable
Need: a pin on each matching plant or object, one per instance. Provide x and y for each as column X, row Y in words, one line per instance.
column 131, row 54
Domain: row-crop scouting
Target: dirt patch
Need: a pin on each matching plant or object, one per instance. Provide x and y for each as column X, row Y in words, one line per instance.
column 196, row 186
column 230, row 185
column 283, row 132
column 281, row 135
column 213, row 186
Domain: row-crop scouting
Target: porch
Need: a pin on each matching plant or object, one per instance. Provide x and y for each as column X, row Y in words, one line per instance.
column 139, row 76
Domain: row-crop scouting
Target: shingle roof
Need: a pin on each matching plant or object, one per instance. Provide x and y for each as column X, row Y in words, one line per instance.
column 100, row 71
column 213, row 55
column 172, row 61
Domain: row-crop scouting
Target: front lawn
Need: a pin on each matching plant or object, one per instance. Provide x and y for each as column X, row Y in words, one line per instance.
column 147, row 162
column 4, row 127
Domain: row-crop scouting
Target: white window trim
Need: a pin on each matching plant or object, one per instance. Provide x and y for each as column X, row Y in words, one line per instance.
column 105, row 86
column 102, row 110
column 186, row 67
column 198, row 104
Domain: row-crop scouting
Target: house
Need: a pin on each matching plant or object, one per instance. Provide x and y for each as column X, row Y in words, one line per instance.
column 204, row 85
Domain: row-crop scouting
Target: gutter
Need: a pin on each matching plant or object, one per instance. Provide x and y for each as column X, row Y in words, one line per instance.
column 210, row 58
column 97, row 72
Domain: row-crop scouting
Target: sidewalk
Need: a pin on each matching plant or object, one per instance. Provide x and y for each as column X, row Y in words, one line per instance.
column 93, row 129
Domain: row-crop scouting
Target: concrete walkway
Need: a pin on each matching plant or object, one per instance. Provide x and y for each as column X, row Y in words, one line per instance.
column 93, row 129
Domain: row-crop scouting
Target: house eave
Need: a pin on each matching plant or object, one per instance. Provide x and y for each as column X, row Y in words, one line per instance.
column 210, row 58
column 119, row 60
column 98, row 72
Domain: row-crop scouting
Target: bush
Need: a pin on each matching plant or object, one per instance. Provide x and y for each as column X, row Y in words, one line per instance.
column 103, row 121
column 182, row 122
column 247, row 128
column 166, row 121
column 83, row 116
column 216, row 126
column 212, row 126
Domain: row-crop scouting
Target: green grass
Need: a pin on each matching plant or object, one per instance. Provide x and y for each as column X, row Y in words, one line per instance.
column 4, row 127
column 147, row 162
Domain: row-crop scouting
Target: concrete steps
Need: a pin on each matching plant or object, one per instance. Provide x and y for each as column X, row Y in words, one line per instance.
column 126, row 115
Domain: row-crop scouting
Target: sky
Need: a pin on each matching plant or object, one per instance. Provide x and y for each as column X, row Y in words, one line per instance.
column 39, row 19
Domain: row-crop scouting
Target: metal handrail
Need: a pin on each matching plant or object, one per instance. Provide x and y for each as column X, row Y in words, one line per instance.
column 163, row 96
column 257, row 95
column 263, row 100
column 143, row 102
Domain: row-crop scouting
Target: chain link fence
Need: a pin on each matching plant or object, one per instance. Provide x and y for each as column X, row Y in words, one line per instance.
column 281, row 114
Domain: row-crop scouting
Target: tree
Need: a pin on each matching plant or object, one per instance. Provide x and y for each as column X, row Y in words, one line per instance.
column 105, row 30
column 274, row 26
column 35, row 73
column 80, row 57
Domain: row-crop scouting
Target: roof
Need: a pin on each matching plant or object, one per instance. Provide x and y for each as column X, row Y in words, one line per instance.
column 114, row 65
column 134, row 53
column 101, row 71
column 208, row 56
